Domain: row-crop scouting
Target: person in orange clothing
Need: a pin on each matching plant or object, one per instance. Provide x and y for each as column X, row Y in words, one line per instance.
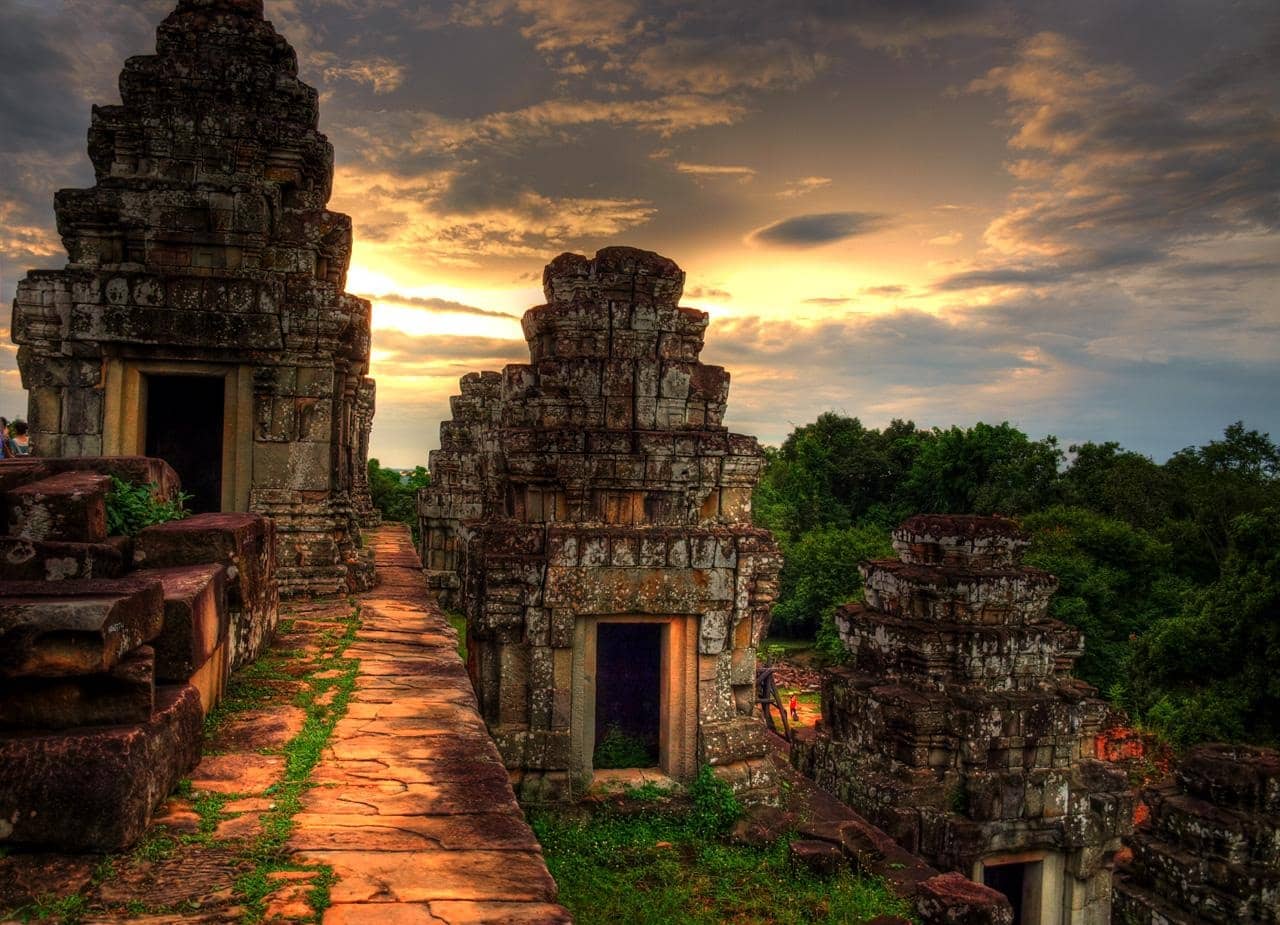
column 794, row 706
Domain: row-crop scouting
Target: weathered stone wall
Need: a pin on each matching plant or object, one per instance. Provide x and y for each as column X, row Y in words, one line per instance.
column 205, row 245
column 956, row 726
column 113, row 648
column 1210, row 850
column 598, row 482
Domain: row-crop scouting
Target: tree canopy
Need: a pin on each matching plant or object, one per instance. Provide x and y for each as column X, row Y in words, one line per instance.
column 1171, row 569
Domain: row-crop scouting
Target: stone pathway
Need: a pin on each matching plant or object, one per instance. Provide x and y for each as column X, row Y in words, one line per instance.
column 404, row 816
column 413, row 810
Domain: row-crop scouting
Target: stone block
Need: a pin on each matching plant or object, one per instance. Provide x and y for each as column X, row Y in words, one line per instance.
column 245, row 545
column 66, row 628
column 195, row 618
column 95, row 789
column 817, row 857
column 70, row 507
column 45, row 560
column 950, row 899
column 125, row 694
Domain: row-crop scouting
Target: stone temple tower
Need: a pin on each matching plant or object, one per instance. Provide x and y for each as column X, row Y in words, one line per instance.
column 591, row 515
column 958, row 729
column 201, row 317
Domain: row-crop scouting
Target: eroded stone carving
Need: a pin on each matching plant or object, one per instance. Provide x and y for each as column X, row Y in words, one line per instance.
column 594, row 485
column 204, row 249
column 957, row 728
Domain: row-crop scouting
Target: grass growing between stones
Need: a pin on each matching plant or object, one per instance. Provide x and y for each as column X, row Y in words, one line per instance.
column 651, row 861
column 325, row 696
column 324, row 690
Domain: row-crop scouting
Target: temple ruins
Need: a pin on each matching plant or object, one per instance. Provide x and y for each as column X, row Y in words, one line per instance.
column 1209, row 853
column 957, row 728
column 201, row 317
column 591, row 516
column 114, row 648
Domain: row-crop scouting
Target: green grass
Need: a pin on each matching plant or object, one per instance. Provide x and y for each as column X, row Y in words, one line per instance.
column 459, row 622
column 249, row 689
column 668, row 865
column 268, row 853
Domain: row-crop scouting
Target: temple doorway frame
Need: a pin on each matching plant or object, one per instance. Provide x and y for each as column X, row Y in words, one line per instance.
column 678, row 693
column 124, row 423
column 1044, row 892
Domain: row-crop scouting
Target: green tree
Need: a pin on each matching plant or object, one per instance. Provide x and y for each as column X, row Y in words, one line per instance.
column 821, row 571
column 1116, row 582
column 986, row 469
column 1215, row 484
column 396, row 495
column 835, row 472
column 1210, row 672
column 1109, row 480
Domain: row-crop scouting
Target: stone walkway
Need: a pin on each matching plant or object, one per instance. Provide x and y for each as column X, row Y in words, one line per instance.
column 404, row 816
column 413, row 810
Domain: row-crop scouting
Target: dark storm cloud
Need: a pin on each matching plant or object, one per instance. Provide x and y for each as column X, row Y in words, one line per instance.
column 819, row 228
column 1073, row 367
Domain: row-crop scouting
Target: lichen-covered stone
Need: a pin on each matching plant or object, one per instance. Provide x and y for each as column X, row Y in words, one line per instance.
column 956, row 726
column 597, row 481
column 1209, row 852
column 245, row 545
column 205, row 248
column 94, row 788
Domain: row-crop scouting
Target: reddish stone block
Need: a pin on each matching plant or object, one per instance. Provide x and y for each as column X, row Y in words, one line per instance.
column 125, row 694
column 65, row 628
column 136, row 470
column 245, row 544
column 70, row 507
column 95, row 789
column 195, row 618
column 950, row 899
column 42, row 560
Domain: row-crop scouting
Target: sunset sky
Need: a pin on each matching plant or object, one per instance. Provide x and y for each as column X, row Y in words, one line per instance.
column 1061, row 214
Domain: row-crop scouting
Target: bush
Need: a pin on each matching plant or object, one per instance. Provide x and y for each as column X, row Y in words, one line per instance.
column 715, row 808
column 619, row 750
column 130, row 508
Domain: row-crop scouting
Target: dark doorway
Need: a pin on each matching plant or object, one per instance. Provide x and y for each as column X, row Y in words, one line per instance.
column 1011, row 880
column 184, row 428
column 628, row 694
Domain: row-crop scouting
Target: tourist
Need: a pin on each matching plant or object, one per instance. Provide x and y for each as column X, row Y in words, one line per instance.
column 19, row 441
column 6, row 449
column 795, row 709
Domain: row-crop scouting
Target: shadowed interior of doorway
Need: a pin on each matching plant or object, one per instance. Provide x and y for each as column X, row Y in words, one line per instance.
column 628, row 695
column 184, row 427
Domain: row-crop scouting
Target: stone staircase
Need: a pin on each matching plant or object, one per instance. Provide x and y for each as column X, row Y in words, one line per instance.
column 107, row 670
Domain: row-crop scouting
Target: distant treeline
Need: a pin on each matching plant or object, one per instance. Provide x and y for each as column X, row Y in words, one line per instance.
column 1171, row 570
column 395, row 494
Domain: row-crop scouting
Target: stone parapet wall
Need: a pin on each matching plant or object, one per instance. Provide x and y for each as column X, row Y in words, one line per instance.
column 113, row 649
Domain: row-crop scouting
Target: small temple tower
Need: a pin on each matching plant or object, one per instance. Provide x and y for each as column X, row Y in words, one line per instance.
column 957, row 728
column 201, row 317
column 1209, row 853
column 592, row 517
